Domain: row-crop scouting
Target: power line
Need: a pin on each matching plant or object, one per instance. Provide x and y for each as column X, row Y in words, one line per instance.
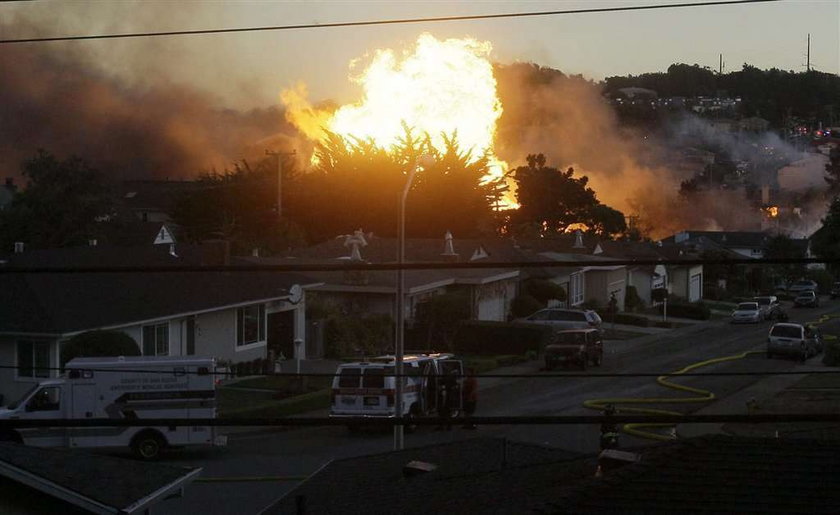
column 382, row 22
column 371, row 267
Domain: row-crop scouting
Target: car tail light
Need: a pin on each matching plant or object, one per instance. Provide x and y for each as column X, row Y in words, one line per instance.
column 389, row 396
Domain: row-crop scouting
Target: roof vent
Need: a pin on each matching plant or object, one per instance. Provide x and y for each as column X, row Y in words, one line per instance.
column 448, row 248
column 19, row 247
column 172, row 250
column 416, row 468
column 355, row 241
column 578, row 239
column 92, row 242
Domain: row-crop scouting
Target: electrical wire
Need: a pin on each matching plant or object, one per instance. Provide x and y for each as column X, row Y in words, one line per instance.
column 366, row 23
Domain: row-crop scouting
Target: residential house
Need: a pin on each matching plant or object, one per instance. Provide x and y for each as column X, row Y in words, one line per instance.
column 643, row 278
column 235, row 316
column 490, row 290
column 152, row 201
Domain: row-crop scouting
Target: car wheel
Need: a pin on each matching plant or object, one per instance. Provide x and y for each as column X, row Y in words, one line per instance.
column 410, row 417
column 598, row 359
column 803, row 352
column 147, row 446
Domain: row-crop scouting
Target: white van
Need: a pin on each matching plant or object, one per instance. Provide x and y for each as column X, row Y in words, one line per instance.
column 135, row 387
column 368, row 388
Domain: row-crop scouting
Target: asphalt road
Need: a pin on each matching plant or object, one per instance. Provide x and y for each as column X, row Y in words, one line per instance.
column 259, row 467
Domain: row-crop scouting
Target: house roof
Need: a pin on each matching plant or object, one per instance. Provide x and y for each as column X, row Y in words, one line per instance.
column 718, row 474
column 149, row 195
column 60, row 303
column 729, row 239
column 709, row 474
column 97, row 484
column 477, row 475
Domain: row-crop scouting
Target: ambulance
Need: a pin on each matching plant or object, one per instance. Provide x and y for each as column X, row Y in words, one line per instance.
column 367, row 389
column 134, row 387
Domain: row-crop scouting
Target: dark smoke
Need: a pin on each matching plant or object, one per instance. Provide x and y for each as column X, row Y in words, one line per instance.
column 58, row 101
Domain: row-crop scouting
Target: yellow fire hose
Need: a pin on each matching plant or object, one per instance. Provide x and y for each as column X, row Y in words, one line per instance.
column 702, row 395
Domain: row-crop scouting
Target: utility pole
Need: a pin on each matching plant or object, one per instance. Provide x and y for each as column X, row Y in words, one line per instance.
column 279, row 156
column 720, row 66
column 808, row 55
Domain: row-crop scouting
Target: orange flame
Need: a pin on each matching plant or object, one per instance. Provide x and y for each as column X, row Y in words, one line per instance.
column 438, row 88
column 772, row 211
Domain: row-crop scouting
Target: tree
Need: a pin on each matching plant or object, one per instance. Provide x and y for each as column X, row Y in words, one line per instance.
column 59, row 206
column 832, row 172
column 782, row 247
column 825, row 243
column 98, row 343
column 553, row 201
column 356, row 184
column 240, row 205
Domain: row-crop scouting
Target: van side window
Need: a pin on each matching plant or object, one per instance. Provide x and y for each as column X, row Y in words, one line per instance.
column 46, row 399
column 349, row 378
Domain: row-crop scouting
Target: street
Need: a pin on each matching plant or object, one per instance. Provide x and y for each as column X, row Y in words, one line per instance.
column 259, row 467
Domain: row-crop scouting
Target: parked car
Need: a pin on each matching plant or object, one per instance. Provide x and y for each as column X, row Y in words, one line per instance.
column 747, row 312
column 770, row 307
column 562, row 319
column 580, row 346
column 803, row 285
column 807, row 299
column 835, row 290
column 794, row 340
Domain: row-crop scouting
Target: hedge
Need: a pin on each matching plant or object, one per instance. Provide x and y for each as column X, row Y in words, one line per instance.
column 625, row 318
column 695, row 311
column 482, row 337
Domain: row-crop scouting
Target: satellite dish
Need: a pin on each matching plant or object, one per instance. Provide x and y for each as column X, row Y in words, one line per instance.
column 295, row 293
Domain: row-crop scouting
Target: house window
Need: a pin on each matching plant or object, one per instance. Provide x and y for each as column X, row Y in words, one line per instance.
column 33, row 359
column 250, row 324
column 576, row 295
column 156, row 340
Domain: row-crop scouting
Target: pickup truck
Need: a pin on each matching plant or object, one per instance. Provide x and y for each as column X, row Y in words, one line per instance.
column 579, row 346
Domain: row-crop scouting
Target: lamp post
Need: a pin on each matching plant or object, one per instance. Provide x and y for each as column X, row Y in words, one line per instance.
column 424, row 160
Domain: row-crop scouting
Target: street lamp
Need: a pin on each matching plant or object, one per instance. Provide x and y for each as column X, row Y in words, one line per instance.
column 423, row 161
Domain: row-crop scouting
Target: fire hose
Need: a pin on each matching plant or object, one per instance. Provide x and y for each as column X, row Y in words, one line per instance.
column 702, row 395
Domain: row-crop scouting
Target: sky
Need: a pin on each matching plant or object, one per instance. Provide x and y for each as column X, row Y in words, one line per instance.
column 248, row 70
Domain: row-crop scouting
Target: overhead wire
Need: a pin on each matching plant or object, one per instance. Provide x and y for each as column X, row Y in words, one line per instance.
column 366, row 23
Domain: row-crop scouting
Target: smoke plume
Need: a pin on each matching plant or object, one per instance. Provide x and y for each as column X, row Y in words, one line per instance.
column 60, row 101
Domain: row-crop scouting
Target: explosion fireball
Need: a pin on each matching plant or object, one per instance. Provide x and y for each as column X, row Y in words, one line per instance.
column 439, row 87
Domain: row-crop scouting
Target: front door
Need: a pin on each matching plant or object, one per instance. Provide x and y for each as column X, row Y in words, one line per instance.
column 281, row 334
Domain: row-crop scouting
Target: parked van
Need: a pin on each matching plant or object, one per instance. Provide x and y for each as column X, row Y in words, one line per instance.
column 135, row 387
column 368, row 388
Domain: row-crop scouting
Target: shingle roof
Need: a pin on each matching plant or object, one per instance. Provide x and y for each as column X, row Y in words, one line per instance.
column 57, row 303
column 718, row 474
column 114, row 482
column 479, row 475
column 63, row 303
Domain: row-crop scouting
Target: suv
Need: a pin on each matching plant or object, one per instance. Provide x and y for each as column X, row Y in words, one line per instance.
column 769, row 306
column 803, row 285
column 793, row 340
column 562, row 319
column 581, row 346
column 807, row 298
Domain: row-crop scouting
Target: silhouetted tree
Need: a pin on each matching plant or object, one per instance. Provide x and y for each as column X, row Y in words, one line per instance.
column 98, row 343
column 832, row 172
column 825, row 243
column 59, row 205
column 552, row 201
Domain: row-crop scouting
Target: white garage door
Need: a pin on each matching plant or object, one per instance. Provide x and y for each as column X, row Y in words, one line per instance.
column 694, row 288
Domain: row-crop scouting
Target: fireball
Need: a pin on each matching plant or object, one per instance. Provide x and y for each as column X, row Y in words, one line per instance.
column 437, row 88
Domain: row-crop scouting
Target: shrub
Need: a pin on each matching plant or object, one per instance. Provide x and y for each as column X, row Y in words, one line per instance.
column 831, row 357
column 630, row 319
column 99, row 343
column 482, row 337
column 524, row 305
column 351, row 335
column 695, row 311
column 632, row 301
column 544, row 290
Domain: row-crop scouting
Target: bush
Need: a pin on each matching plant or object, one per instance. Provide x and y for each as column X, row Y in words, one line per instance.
column 524, row 305
column 351, row 335
column 632, row 301
column 485, row 338
column 695, row 311
column 630, row 319
column 544, row 290
column 831, row 356
column 99, row 343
